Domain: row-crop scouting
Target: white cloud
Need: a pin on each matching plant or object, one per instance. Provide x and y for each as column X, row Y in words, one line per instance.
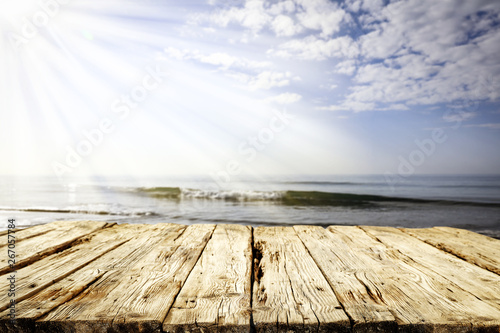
column 269, row 79
column 458, row 116
column 175, row 53
column 365, row 5
column 220, row 59
column 350, row 106
column 252, row 16
column 353, row 5
column 209, row 30
column 282, row 7
column 329, row 86
column 321, row 15
column 253, row 74
column 347, row 67
column 392, row 107
column 313, row 48
column 489, row 125
column 285, row 18
column 285, row 26
column 372, row 5
column 356, row 106
column 241, row 77
column 285, row 98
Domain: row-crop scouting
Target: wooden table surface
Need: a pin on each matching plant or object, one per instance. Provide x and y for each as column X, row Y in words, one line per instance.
column 85, row 276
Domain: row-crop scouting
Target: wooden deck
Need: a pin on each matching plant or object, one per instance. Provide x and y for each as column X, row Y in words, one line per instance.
column 97, row 277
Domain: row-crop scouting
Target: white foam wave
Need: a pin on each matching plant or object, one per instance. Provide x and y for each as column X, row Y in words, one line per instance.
column 236, row 195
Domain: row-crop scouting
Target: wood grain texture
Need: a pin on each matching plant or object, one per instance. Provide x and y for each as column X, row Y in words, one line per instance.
column 33, row 230
column 137, row 301
column 110, row 266
column 290, row 294
column 39, row 275
column 216, row 296
column 29, row 310
column 22, row 234
column 34, row 248
column 478, row 249
column 478, row 281
column 340, row 266
column 96, row 277
column 419, row 298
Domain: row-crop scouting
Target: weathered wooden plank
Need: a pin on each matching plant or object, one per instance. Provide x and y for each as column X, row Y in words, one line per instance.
column 26, row 233
column 478, row 249
column 34, row 248
column 216, row 296
column 47, row 299
column 290, row 293
column 340, row 267
column 419, row 298
column 478, row 281
column 37, row 230
column 111, row 281
column 479, row 239
column 40, row 274
column 139, row 300
column 111, row 265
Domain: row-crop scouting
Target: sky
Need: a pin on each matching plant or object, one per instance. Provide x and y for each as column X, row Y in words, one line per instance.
column 167, row 87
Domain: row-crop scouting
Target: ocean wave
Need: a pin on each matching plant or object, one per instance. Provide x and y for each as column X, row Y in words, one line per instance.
column 315, row 182
column 283, row 197
column 293, row 198
column 83, row 209
column 227, row 195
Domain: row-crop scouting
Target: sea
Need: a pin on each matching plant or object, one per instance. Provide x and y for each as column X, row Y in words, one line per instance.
column 461, row 201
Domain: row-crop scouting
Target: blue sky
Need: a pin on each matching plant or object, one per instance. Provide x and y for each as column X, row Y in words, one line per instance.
column 214, row 87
